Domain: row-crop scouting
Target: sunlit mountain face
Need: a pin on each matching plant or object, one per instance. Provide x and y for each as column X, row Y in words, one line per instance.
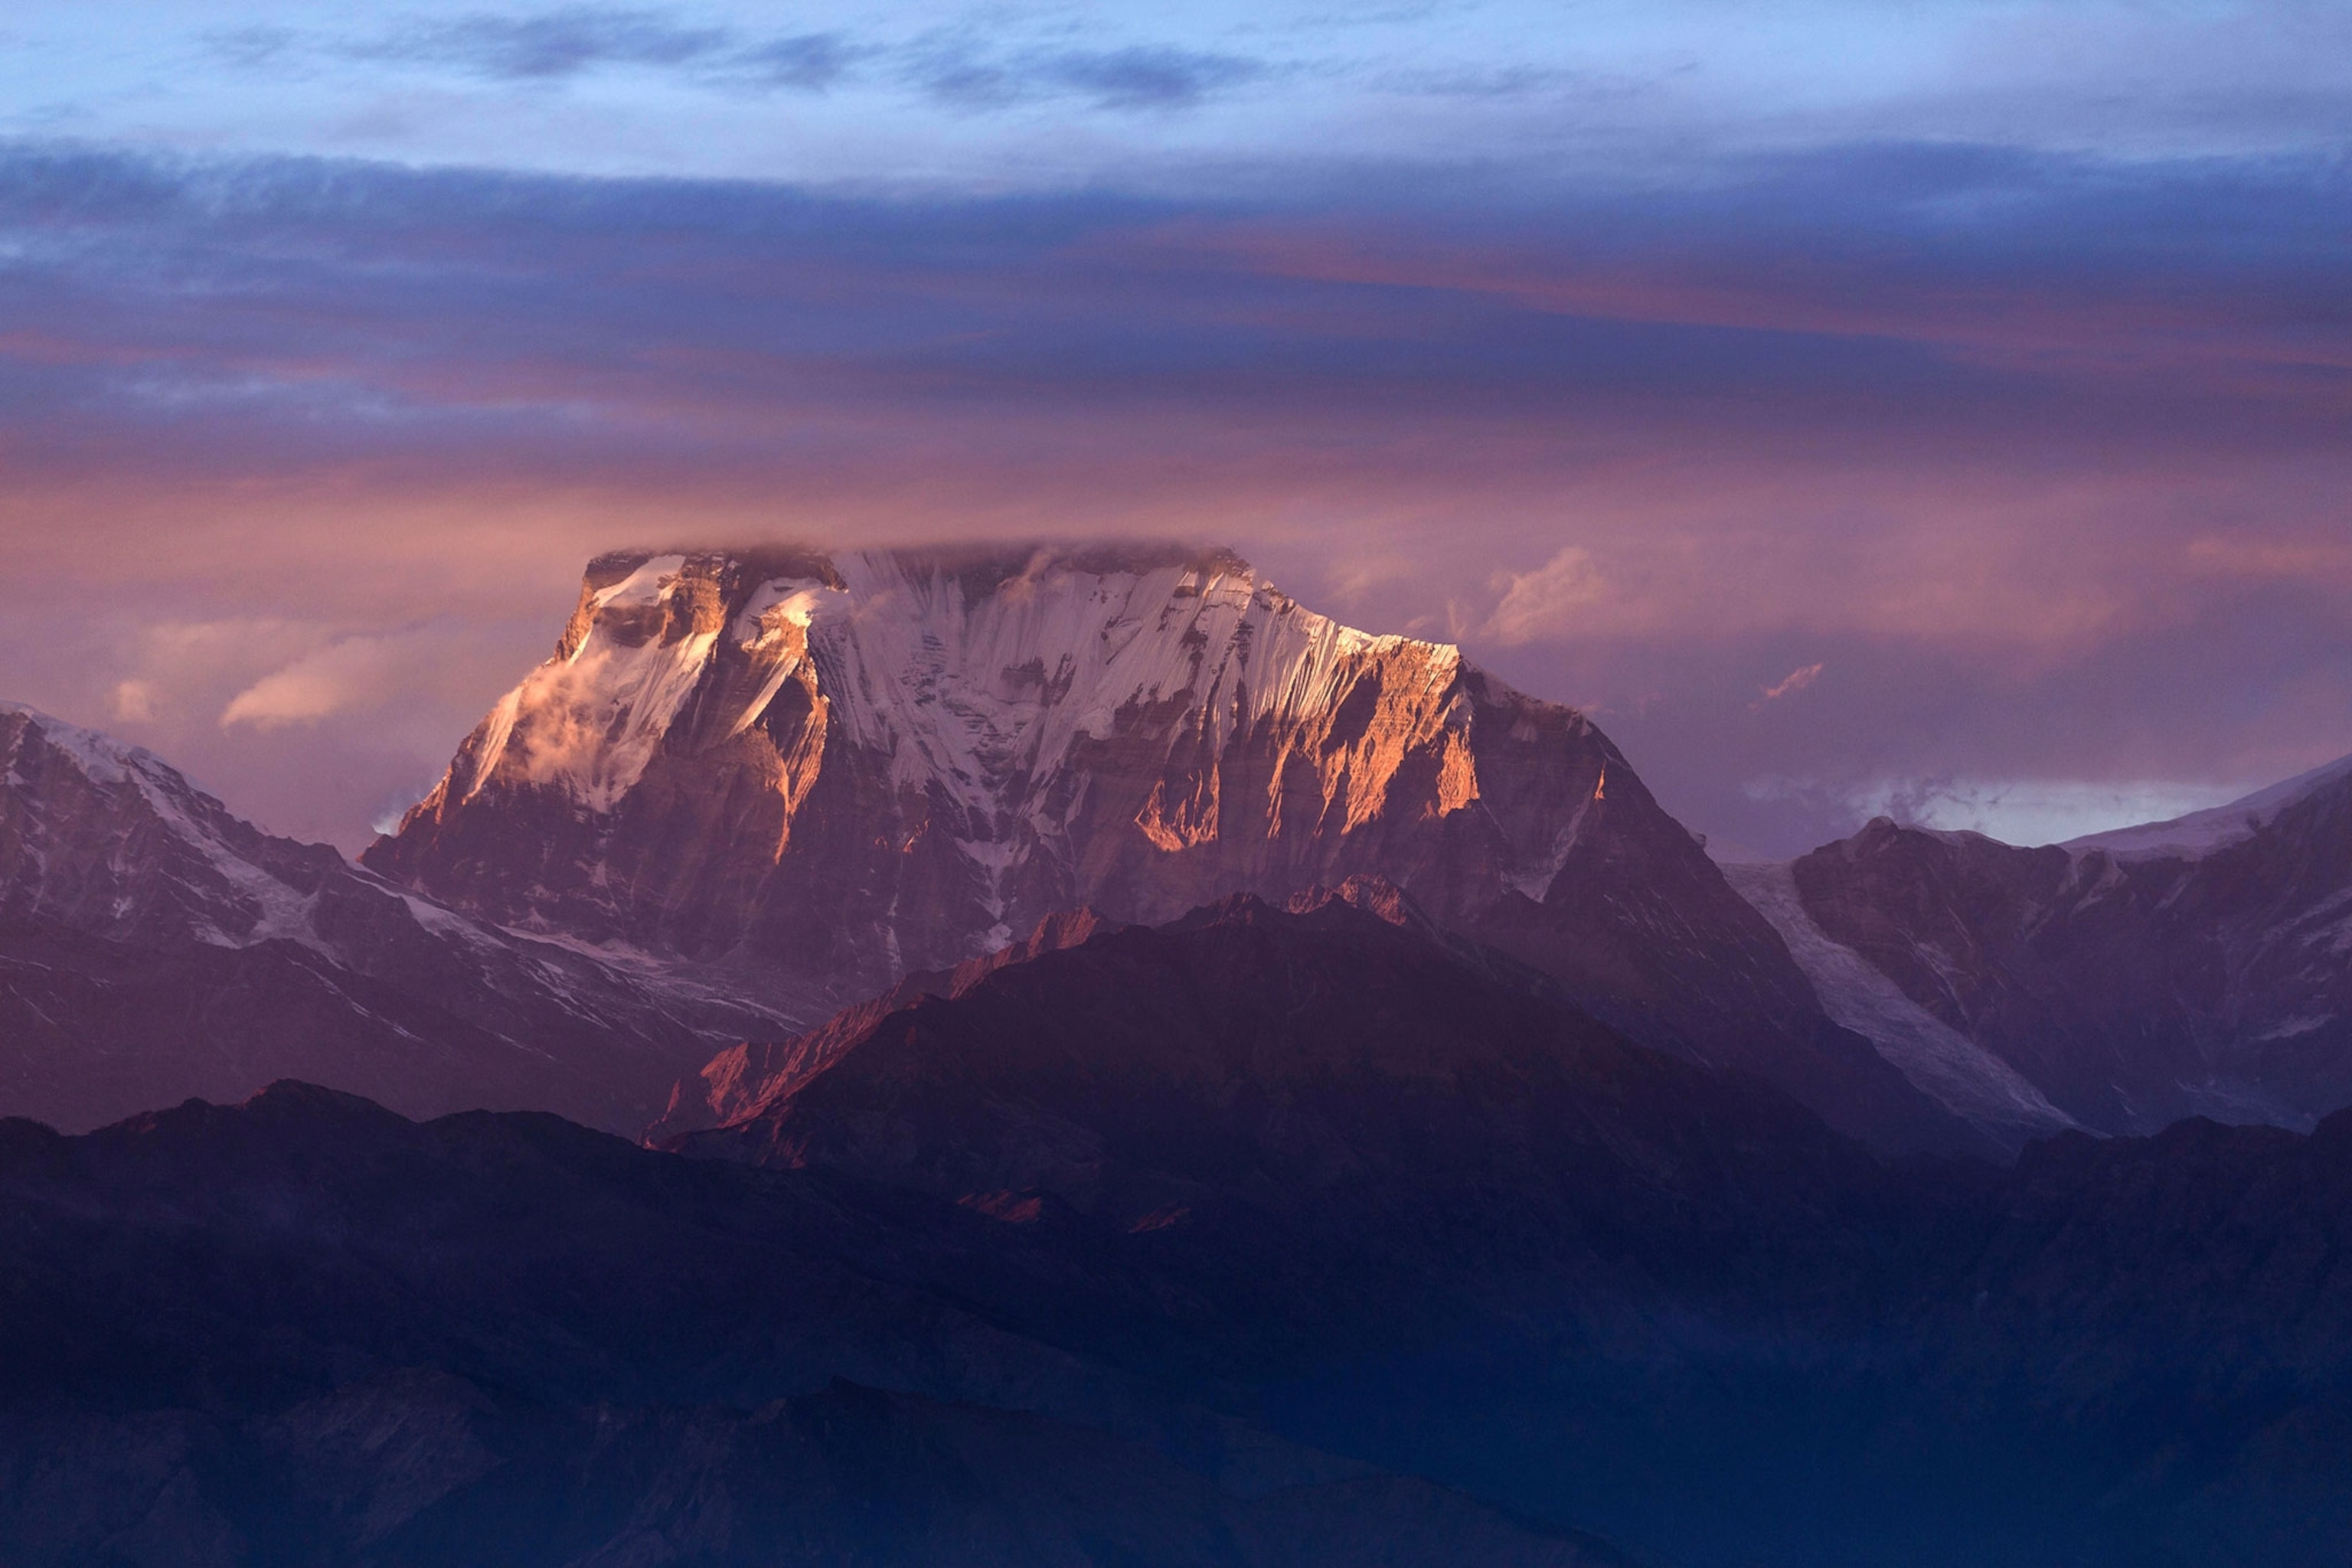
column 1247, row 786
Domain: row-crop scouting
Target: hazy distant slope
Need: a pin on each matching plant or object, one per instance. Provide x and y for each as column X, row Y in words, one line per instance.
column 152, row 946
column 2199, row 966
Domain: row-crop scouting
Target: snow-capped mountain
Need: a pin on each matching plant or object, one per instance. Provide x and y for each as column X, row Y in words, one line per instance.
column 828, row 770
column 153, row 946
column 998, row 737
column 2197, row 966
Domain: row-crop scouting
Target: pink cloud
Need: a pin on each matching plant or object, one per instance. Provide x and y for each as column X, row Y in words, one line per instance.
column 1795, row 680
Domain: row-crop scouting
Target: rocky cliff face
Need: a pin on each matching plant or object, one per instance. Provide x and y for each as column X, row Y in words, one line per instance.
column 842, row 769
column 2202, row 966
column 153, row 946
column 865, row 765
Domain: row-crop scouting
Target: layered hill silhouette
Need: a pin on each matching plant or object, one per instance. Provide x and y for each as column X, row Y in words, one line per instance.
column 1375, row 1247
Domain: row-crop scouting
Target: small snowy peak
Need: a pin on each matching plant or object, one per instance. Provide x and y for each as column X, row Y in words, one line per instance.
column 123, row 834
column 143, row 838
column 166, row 947
column 110, row 764
column 2200, row 833
column 99, row 757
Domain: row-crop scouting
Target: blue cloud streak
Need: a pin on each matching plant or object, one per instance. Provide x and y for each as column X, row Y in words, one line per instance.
column 1887, row 293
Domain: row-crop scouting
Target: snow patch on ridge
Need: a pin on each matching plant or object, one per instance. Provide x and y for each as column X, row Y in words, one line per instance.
column 2200, row 833
column 774, row 623
column 648, row 584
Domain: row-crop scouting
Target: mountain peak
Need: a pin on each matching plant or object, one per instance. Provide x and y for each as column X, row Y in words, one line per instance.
column 975, row 667
column 975, row 697
column 839, row 769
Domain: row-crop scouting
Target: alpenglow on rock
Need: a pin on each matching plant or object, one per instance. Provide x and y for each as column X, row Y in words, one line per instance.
column 823, row 772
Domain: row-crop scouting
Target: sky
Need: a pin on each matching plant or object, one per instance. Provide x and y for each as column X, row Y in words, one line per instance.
column 1938, row 409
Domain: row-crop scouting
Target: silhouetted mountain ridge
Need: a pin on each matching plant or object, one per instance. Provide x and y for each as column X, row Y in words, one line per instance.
column 1432, row 1224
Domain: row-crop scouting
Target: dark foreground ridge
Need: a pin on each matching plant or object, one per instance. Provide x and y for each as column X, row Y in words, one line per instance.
column 1348, row 1243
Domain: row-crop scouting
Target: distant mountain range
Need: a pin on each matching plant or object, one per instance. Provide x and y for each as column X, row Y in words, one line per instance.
column 752, row 788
